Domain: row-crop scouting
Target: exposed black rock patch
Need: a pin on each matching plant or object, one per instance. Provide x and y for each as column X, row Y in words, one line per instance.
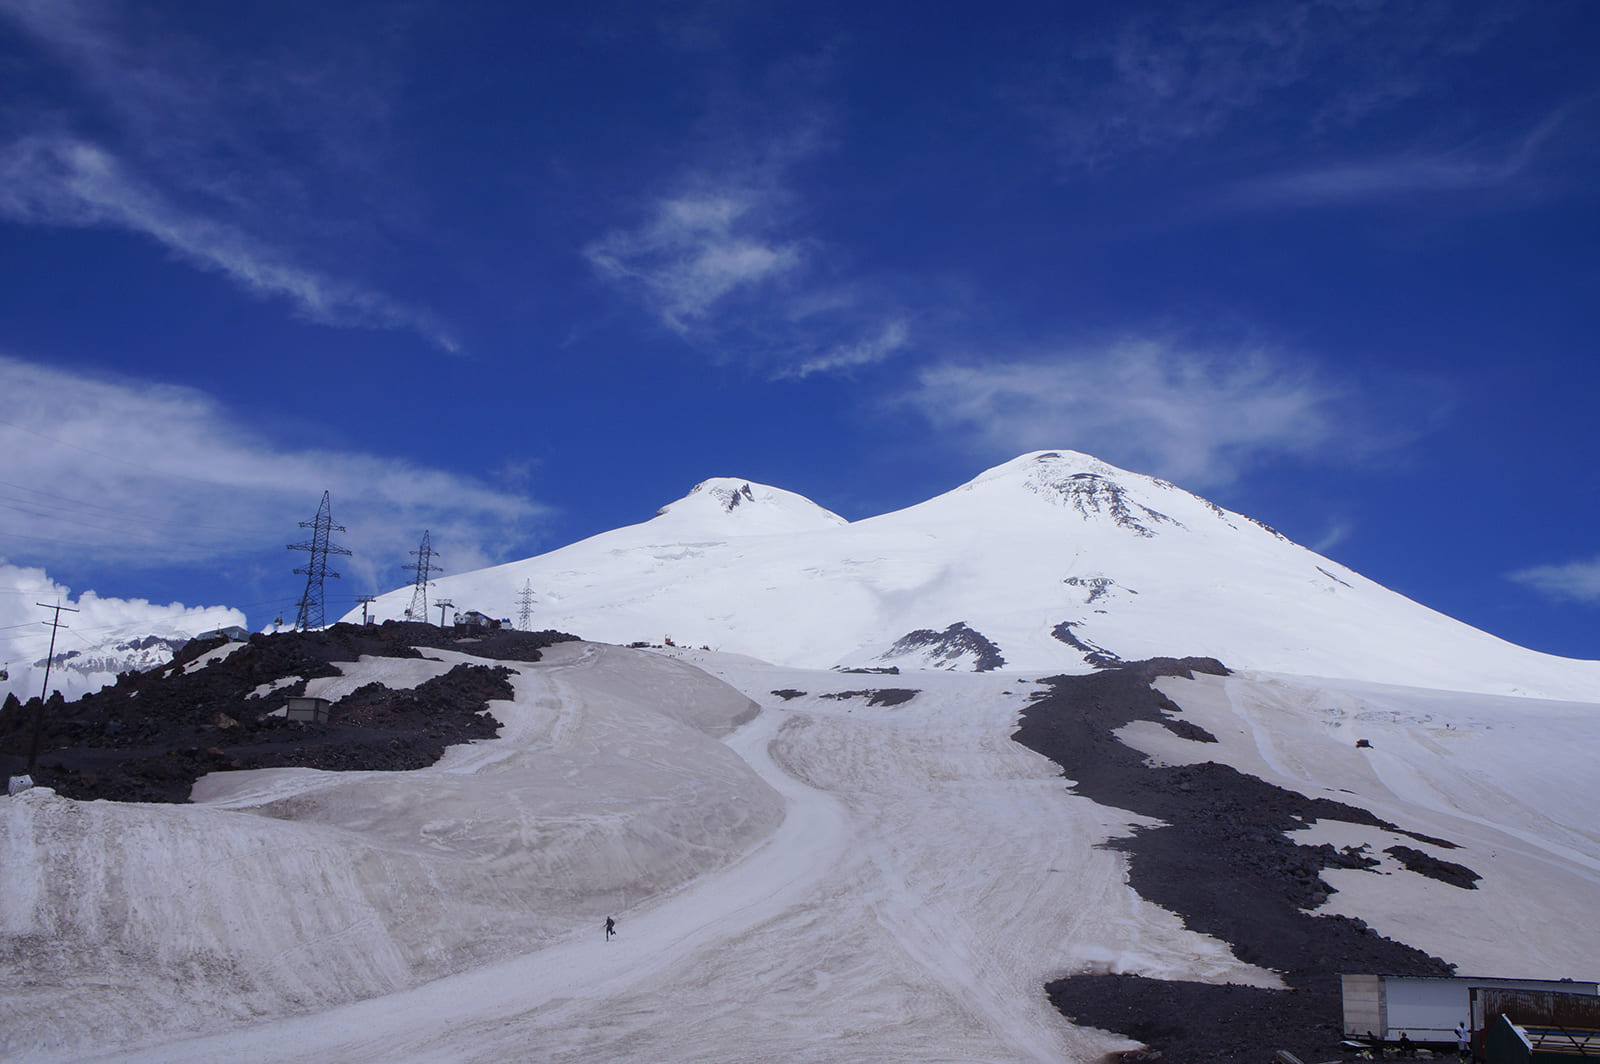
column 1187, row 729
column 1425, row 864
column 789, row 692
column 731, row 498
column 885, row 696
column 1330, row 576
column 152, row 734
column 946, row 648
column 1223, row 861
column 1219, row 511
column 1099, row 657
column 879, row 670
column 1268, row 528
column 1091, row 493
column 1099, row 587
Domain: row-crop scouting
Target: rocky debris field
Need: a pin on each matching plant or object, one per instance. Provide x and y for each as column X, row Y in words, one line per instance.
column 1223, row 861
column 881, row 696
column 149, row 736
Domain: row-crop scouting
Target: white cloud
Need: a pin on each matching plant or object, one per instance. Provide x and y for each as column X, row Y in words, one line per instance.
column 1459, row 170
column 194, row 172
column 894, row 336
column 1162, row 81
column 1575, row 581
column 63, row 181
column 25, row 637
column 696, row 251
column 723, row 262
column 1196, row 418
column 140, row 474
column 1335, row 535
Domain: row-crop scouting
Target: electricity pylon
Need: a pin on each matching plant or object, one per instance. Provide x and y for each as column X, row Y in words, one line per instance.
column 525, row 601
column 418, row 610
column 310, row 615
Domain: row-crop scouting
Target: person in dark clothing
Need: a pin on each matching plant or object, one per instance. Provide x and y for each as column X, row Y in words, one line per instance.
column 611, row 928
column 1406, row 1048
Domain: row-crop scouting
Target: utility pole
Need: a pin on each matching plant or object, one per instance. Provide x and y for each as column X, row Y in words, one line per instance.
column 418, row 610
column 443, row 604
column 310, row 615
column 525, row 601
column 38, row 717
column 365, row 600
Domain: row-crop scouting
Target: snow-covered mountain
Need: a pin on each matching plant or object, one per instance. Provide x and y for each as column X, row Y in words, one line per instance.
column 130, row 648
column 1052, row 561
column 808, row 865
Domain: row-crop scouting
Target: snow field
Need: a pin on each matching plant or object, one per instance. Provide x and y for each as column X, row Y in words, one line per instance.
column 293, row 890
column 1157, row 571
column 811, row 879
column 1508, row 780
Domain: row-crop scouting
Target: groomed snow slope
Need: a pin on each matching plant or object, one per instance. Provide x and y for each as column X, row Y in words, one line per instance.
column 1049, row 550
column 285, row 890
column 831, row 881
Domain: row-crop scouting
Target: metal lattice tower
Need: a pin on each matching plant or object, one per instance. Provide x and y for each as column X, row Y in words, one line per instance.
column 418, row 610
column 310, row 615
column 525, row 602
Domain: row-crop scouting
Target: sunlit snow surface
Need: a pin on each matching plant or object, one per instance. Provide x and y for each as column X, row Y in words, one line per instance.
column 822, row 881
column 1137, row 566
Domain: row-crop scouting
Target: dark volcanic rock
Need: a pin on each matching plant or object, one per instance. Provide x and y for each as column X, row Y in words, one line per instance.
column 883, row 696
column 1221, row 860
column 1425, row 864
column 1097, row 656
column 151, row 735
column 949, row 646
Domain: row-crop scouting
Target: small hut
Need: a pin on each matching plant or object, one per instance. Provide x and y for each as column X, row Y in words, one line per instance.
column 312, row 709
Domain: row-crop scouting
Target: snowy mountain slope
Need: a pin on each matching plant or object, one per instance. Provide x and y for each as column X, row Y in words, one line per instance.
column 1052, row 561
column 75, row 672
column 286, row 890
column 927, row 877
column 1504, row 778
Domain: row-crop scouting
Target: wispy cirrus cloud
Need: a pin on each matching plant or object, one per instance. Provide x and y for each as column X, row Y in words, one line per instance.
column 1404, row 174
column 1194, row 416
column 723, row 260
column 1574, row 581
column 66, row 182
column 698, row 250
column 1155, row 82
column 171, row 140
column 139, row 474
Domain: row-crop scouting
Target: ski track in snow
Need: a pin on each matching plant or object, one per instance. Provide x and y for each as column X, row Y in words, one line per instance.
column 442, row 1020
column 906, row 908
column 927, row 877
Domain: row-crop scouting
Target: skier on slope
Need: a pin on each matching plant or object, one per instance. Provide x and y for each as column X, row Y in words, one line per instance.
column 611, row 928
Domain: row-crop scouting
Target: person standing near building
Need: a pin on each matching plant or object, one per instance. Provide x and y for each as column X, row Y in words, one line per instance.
column 1463, row 1041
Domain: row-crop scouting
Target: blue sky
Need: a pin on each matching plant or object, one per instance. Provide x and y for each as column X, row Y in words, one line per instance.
column 519, row 274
